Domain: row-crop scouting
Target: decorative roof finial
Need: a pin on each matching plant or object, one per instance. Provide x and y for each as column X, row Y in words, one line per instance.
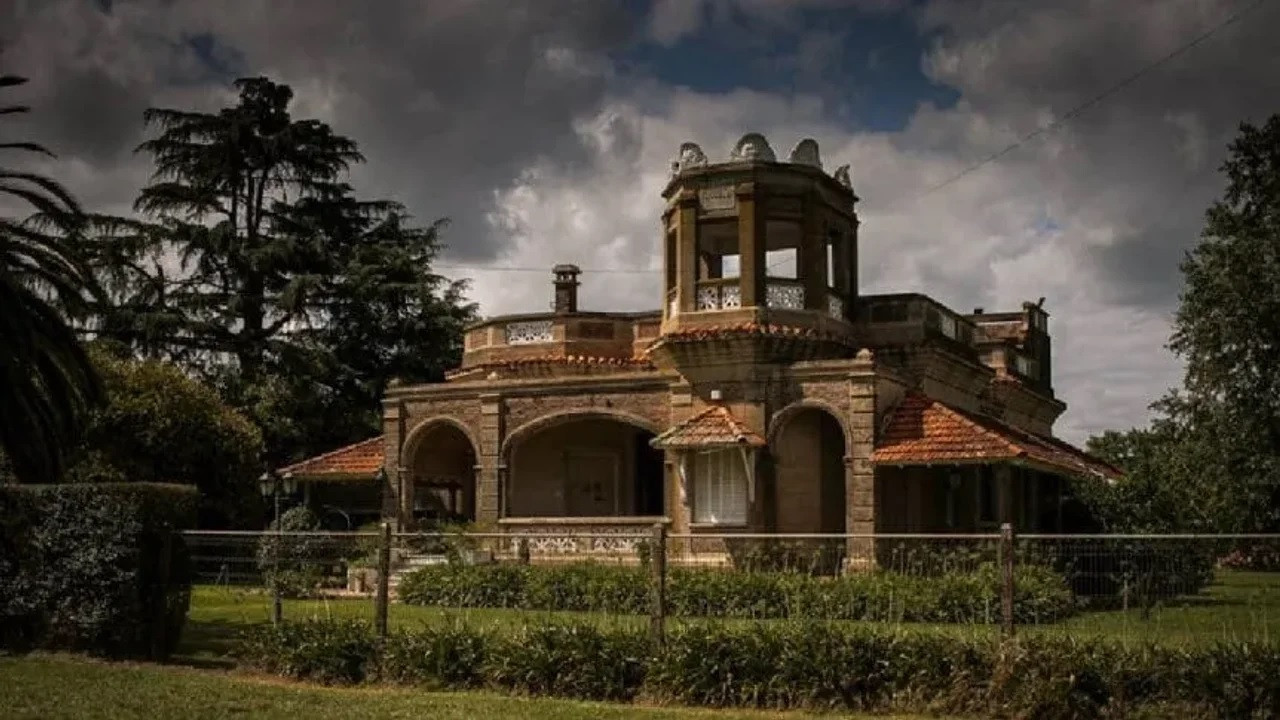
column 842, row 176
column 806, row 153
column 752, row 146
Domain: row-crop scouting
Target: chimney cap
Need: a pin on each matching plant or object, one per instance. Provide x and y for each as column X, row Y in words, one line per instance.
column 978, row 311
column 566, row 269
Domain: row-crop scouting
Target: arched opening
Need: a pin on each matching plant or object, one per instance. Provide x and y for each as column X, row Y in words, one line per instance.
column 441, row 486
column 585, row 467
column 809, row 474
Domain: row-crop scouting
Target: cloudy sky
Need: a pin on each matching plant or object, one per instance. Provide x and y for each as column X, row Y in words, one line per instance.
column 544, row 131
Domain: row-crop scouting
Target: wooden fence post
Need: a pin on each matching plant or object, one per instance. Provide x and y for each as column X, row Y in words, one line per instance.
column 383, row 597
column 1006, row 578
column 658, row 583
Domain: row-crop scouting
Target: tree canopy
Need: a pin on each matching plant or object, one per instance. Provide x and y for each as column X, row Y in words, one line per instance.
column 254, row 263
column 1215, row 445
column 48, row 382
column 158, row 425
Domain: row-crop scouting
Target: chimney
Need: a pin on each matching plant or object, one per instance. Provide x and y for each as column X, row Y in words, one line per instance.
column 977, row 311
column 566, row 283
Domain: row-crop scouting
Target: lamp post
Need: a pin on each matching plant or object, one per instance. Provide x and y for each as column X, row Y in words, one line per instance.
column 272, row 485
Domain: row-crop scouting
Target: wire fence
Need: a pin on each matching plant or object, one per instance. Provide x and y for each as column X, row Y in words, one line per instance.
column 1161, row 588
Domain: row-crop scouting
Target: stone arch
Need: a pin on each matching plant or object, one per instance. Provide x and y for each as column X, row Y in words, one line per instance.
column 808, row 451
column 583, row 463
column 781, row 417
column 440, row 477
column 411, row 439
column 533, row 427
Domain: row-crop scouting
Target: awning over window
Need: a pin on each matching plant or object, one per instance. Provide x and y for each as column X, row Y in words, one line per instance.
column 713, row 427
column 924, row 431
column 360, row 461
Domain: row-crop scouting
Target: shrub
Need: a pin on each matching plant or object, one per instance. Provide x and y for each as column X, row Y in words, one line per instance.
column 84, row 567
column 795, row 665
column 324, row 651
column 570, row 660
column 1041, row 595
column 294, row 564
column 441, row 656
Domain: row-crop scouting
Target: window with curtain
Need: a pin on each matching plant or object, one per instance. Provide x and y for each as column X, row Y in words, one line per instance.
column 720, row 488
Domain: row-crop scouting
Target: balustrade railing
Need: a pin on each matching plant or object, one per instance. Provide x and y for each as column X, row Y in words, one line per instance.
column 719, row 294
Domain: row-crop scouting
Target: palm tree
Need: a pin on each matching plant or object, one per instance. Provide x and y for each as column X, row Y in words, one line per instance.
column 47, row 383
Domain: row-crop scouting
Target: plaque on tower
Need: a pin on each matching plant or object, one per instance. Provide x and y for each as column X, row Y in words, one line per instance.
column 718, row 198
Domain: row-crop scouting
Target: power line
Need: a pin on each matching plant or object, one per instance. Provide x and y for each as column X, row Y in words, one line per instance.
column 546, row 269
column 1093, row 101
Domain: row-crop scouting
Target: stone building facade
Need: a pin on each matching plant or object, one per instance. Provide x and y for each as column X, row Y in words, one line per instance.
column 753, row 400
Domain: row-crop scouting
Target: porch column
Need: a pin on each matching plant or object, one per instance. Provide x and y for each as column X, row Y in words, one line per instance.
column 677, row 504
column 860, row 485
column 393, row 422
column 489, row 471
column 1003, row 477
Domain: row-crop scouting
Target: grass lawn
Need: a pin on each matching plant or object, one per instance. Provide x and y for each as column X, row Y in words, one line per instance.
column 1239, row 606
column 50, row 687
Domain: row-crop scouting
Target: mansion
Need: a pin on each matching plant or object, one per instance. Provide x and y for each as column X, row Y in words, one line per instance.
column 752, row 399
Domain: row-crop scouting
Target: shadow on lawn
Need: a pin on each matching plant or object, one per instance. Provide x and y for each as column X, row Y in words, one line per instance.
column 209, row 643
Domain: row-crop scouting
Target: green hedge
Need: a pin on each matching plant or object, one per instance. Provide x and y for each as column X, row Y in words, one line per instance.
column 971, row 597
column 81, row 567
column 807, row 665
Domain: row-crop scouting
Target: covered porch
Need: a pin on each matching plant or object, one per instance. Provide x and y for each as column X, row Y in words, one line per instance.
column 345, row 488
column 939, row 469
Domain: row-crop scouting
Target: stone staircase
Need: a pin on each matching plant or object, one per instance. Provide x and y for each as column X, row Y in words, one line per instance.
column 407, row 563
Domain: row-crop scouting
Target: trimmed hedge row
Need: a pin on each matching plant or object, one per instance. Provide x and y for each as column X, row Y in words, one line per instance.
column 970, row 597
column 84, row 567
column 808, row 665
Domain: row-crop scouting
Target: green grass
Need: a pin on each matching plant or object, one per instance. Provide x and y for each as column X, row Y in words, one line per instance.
column 50, row 687
column 1238, row 606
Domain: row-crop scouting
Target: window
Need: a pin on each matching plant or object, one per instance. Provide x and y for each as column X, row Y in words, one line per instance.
column 720, row 488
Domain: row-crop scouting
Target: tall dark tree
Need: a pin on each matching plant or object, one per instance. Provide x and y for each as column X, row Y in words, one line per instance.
column 1211, row 459
column 47, row 382
column 296, row 298
column 1228, row 331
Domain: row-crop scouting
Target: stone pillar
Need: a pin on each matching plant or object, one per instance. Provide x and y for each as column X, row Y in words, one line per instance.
column 811, row 260
column 751, row 245
column 687, row 251
column 860, row 485
column 677, row 507
column 489, row 475
column 1003, row 478
column 393, row 431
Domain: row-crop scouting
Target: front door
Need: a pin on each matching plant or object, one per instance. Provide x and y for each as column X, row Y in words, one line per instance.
column 591, row 484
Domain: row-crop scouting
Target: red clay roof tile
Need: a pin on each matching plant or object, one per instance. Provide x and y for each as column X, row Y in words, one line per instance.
column 715, row 426
column 580, row 360
column 923, row 430
column 358, row 460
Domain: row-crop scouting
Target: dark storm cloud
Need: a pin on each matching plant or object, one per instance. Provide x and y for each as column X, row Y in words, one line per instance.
column 450, row 101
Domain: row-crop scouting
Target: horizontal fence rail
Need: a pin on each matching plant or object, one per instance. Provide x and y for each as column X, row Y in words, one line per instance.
column 1160, row 587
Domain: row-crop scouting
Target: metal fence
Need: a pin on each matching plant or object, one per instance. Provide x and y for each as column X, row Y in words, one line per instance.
column 1163, row 588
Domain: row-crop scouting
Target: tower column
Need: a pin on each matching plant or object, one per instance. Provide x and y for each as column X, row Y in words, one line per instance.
column 751, row 245
column 687, row 251
column 811, row 260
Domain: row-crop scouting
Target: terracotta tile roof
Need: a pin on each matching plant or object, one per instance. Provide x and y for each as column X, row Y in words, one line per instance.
column 353, row 461
column 709, row 428
column 638, row 363
column 750, row 328
column 923, row 430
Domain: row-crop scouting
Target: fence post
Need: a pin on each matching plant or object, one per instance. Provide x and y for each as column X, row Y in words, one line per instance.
column 383, row 596
column 658, row 583
column 1006, row 584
